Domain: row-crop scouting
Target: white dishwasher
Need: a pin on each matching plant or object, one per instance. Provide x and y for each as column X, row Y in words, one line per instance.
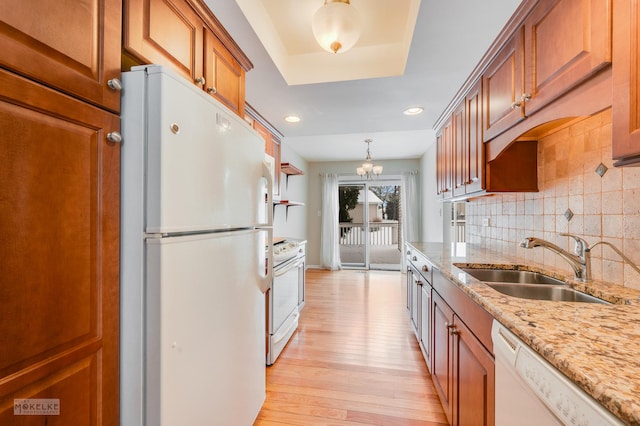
column 531, row 392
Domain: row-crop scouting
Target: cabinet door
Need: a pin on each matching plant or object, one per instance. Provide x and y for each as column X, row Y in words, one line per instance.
column 460, row 152
column 440, row 186
column 442, row 354
column 415, row 287
column 626, row 85
column 74, row 47
column 446, row 158
column 271, row 148
column 474, row 380
column 425, row 316
column 566, row 41
column 474, row 176
column 502, row 86
column 223, row 74
column 165, row 32
column 59, row 256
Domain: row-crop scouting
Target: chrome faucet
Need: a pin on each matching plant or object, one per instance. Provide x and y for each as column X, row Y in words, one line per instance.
column 581, row 260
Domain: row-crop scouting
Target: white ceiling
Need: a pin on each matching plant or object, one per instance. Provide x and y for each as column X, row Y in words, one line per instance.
column 449, row 38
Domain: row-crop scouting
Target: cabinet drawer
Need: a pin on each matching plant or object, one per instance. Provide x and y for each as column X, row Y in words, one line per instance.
column 421, row 264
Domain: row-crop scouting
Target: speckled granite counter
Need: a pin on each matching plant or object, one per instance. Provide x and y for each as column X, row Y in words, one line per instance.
column 595, row 345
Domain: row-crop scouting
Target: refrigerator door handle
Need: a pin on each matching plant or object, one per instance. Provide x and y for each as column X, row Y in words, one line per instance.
column 266, row 286
column 267, row 261
column 266, row 191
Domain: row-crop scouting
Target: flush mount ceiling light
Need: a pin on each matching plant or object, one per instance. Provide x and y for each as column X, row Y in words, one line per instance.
column 292, row 119
column 413, row 111
column 368, row 169
column 336, row 26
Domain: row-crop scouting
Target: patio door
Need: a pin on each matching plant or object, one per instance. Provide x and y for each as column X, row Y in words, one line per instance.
column 370, row 224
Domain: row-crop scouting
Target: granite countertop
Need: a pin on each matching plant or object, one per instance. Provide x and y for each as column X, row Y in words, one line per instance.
column 596, row 345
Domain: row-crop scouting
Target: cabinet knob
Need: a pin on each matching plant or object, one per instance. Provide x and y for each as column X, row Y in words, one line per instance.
column 114, row 84
column 414, row 258
column 115, row 137
column 525, row 97
column 200, row 81
column 408, row 252
column 212, row 90
column 425, row 268
column 516, row 105
column 452, row 329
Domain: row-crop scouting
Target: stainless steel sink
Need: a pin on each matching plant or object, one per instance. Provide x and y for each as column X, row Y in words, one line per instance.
column 529, row 285
column 511, row 276
column 544, row 292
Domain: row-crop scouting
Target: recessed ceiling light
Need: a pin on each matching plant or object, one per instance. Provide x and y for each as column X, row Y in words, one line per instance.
column 292, row 119
column 413, row 111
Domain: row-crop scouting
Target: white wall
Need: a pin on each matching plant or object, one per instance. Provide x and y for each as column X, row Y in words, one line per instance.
column 432, row 223
column 314, row 203
column 293, row 224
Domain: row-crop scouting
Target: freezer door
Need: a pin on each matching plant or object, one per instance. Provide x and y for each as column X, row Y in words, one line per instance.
column 205, row 320
column 205, row 165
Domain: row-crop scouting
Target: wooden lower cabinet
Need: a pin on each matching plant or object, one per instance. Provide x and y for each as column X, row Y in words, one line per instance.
column 443, row 359
column 463, row 370
column 425, row 327
column 59, row 255
column 473, row 378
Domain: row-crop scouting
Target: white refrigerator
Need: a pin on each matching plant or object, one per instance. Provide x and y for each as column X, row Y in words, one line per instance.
column 195, row 256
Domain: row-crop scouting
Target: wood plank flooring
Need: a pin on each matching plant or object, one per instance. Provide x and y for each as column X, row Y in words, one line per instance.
column 354, row 359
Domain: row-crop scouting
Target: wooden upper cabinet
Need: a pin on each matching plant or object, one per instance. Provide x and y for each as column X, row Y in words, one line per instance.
column 445, row 156
column 272, row 138
column 503, row 84
column 460, row 153
column 439, row 165
column 626, row 86
column 474, row 171
column 185, row 36
column 165, row 32
column 560, row 44
column 72, row 47
column 59, row 257
column 566, row 41
column 223, row 74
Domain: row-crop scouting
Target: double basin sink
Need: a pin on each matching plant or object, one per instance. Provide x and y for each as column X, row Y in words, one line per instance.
column 529, row 285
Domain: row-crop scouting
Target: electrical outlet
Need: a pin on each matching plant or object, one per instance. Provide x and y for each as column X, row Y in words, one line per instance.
column 486, row 221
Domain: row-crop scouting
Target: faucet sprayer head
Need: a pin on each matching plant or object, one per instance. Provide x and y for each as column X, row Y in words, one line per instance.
column 528, row 243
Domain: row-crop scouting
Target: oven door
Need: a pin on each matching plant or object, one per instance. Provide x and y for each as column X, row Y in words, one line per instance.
column 283, row 307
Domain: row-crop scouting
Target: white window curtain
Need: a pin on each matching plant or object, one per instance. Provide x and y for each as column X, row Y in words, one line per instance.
column 329, row 240
column 410, row 211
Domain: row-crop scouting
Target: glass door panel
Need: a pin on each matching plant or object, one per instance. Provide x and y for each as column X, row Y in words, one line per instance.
column 385, row 240
column 352, row 226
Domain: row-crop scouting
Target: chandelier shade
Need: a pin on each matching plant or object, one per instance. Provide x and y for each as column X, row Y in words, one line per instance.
column 336, row 26
column 368, row 169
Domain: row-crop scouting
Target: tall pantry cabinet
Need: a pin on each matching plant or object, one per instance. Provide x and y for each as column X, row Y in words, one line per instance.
column 59, row 210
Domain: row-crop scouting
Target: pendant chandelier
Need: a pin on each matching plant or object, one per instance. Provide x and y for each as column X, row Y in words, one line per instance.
column 336, row 26
column 368, row 169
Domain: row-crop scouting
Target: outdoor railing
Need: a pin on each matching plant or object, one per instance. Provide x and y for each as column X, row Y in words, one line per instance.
column 380, row 233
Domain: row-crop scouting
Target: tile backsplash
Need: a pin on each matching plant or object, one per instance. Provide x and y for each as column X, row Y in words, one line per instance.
column 604, row 208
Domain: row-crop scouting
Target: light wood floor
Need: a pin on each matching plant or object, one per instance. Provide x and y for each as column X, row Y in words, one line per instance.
column 354, row 359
